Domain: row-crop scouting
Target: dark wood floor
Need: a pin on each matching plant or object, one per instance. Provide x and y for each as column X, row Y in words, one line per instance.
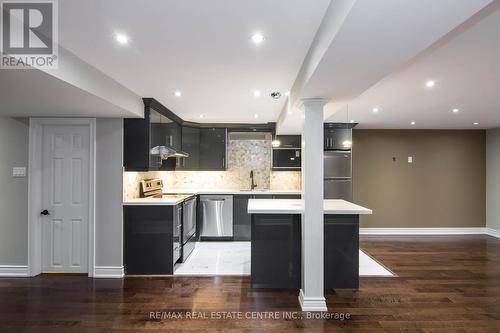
column 444, row 284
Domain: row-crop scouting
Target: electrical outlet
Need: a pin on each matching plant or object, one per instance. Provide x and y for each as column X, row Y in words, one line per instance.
column 410, row 159
column 18, row 172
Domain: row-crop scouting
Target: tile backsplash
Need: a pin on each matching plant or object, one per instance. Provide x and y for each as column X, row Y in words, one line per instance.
column 243, row 157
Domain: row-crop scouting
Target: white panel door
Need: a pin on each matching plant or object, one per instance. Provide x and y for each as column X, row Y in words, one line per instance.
column 65, row 171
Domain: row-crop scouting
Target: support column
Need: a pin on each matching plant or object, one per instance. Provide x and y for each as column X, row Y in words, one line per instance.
column 311, row 295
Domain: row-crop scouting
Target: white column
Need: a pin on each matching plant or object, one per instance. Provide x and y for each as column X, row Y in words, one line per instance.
column 311, row 295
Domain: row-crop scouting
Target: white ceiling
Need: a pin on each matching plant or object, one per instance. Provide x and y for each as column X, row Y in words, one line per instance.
column 363, row 53
column 375, row 39
column 199, row 47
column 466, row 68
column 34, row 93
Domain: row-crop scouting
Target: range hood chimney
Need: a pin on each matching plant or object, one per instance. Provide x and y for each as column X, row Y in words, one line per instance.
column 165, row 152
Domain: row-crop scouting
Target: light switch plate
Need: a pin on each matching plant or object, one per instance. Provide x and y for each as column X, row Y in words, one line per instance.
column 410, row 159
column 18, row 172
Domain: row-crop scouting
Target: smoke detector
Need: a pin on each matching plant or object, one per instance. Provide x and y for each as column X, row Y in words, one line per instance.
column 276, row 95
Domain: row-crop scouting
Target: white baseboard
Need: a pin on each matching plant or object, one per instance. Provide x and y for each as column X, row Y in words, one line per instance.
column 109, row 272
column 493, row 232
column 312, row 303
column 14, row 271
column 423, row 231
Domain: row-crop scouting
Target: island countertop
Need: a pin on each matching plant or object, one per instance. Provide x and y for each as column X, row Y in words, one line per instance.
column 296, row 206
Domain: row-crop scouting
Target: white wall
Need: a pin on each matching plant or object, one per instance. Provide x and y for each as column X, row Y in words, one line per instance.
column 493, row 179
column 13, row 192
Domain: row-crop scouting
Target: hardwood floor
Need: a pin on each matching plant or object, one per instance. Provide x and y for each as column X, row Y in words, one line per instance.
column 444, row 284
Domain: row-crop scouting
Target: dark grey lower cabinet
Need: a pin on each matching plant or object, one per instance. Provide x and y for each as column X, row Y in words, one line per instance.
column 151, row 239
column 275, row 251
column 341, row 251
column 241, row 218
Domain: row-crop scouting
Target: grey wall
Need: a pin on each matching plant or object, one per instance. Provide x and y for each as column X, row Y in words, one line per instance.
column 13, row 192
column 493, row 179
column 445, row 186
column 109, row 192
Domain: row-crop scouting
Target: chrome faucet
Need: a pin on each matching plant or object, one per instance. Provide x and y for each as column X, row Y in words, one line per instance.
column 252, row 184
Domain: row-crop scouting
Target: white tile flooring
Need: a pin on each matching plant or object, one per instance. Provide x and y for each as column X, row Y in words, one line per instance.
column 233, row 258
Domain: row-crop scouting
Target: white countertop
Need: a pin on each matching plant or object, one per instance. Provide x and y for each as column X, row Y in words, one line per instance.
column 295, row 206
column 234, row 192
column 169, row 200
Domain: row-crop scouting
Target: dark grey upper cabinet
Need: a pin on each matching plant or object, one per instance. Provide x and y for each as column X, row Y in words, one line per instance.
column 190, row 145
column 289, row 141
column 213, row 149
column 338, row 137
column 136, row 144
column 164, row 132
column 140, row 135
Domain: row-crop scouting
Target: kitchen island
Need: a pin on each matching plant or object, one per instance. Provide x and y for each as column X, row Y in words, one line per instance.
column 277, row 243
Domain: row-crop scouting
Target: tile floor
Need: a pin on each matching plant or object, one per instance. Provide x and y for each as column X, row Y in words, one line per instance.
column 233, row 258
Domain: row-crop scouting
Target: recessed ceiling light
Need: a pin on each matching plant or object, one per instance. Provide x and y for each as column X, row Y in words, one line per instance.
column 352, row 121
column 430, row 83
column 475, row 123
column 290, row 112
column 177, row 94
column 287, row 93
column 202, row 116
column 256, row 93
column 121, row 39
column 258, row 38
column 455, row 110
column 256, row 116
column 412, row 123
column 375, row 110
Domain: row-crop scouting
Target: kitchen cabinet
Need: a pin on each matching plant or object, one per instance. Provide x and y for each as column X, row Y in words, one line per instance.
column 276, row 248
column 164, row 132
column 341, row 251
column 190, row 145
column 136, row 134
column 337, row 136
column 242, row 219
column 212, row 149
column 276, row 251
column 288, row 156
column 152, row 239
column 289, row 141
column 159, row 127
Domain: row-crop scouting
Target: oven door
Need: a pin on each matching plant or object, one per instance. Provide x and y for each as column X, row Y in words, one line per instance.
column 189, row 220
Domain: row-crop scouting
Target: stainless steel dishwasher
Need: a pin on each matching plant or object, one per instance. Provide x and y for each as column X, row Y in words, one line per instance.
column 217, row 216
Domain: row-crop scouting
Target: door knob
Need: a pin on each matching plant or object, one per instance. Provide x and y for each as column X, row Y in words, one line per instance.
column 45, row 212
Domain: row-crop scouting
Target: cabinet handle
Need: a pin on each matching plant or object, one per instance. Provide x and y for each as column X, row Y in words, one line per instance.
column 223, row 162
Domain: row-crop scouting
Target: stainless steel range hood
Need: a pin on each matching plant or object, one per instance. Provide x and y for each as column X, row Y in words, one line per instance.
column 165, row 152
